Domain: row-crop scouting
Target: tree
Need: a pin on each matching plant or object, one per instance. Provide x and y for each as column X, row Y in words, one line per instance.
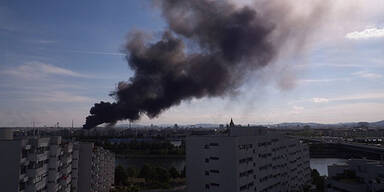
column 173, row 172
column 120, row 175
column 162, row 175
column 131, row 172
column 146, row 172
column 317, row 180
column 183, row 172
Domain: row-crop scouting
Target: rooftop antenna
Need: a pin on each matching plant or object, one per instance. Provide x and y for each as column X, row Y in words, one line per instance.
column 72, row 123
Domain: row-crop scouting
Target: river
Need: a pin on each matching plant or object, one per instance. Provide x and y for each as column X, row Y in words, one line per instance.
column 321, row 164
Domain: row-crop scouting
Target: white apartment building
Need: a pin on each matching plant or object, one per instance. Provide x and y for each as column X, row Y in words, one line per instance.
column 246, row 159
column 34, row 164
column 357, row 175
column 96, row 168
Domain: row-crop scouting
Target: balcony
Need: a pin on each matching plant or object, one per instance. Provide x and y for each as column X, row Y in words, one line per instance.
column 53, row 176
column 75, row 172
column 54, row 150
column 66, row 170
column 37, row 171
column 23, row 177
column 54, row 163
column 27, row 147
column 66, row 159
column 66, row 189
column 38, row 156
column 65, row 181
column 68, row 148
column 40, row 142
column 37, row 186
column 52, row 187
column 75, row 165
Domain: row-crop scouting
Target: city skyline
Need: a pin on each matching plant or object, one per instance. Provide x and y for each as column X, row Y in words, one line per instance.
column 60, row 58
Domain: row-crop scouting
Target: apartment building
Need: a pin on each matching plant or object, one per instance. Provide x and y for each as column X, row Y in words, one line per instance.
column 96, row 168
column 60, row 165
column 246, row 159
column 37, row 164
column 357, row 175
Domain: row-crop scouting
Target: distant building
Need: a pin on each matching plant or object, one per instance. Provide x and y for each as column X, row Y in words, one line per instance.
column 37, row 164
column 357, row 175
column 246, row 159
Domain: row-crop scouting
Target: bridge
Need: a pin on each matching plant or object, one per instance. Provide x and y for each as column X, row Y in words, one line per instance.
column 340, row 149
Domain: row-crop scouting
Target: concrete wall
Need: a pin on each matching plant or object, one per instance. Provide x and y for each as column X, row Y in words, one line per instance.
column 10, row 164
column 246, row 163
column 201, row 157
column 85, row 167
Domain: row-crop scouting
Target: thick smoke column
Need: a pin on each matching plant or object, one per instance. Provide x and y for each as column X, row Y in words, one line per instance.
column 225, row 43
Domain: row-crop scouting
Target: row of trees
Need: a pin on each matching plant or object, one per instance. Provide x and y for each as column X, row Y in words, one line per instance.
column 317, row 180
column 155, row 177
column 139, row 147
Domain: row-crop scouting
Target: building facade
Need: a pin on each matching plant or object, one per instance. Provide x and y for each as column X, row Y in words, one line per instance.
column 357, row 175
column 96, row 168
column 37, row 164
column 246, row 159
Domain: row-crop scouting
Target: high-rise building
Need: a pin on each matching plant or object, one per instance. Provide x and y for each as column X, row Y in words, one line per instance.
column 96, row 168
column 37, row 164
column 60, row 165
column 246, row 159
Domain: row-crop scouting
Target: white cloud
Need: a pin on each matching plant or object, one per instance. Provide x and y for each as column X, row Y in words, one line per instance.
column 297, row 109
column 364, row 96
column 366, row 34
column 43, row 116
column 368, row 75
column 50, row 69
column 37, row 82
column 42, row 41
column 326, row 80
column 320, row 100
column 96, row 52
column 349, row 112
column 369, row 62
column 34, row 70
column 60, row 96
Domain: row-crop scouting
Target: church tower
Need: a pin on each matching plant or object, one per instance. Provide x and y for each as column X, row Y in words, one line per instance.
column 231, row 124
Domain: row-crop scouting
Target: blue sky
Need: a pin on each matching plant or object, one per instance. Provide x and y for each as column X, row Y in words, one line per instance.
column 59, row 57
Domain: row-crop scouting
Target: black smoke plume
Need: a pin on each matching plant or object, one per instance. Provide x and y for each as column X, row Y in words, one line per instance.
column 210, row 46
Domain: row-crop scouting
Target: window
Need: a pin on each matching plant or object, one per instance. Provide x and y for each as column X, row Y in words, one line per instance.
column 214, row 144
column 245, row 146
column 215, row 184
